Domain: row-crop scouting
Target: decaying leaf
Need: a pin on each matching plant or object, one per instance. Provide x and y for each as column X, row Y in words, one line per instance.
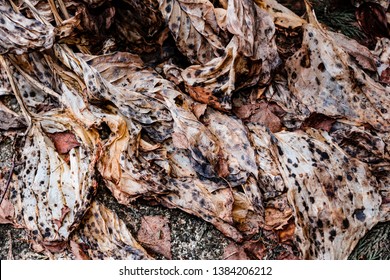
column 335, row 198
column 145, row 32
column 9, row 119
column 322, row 77
column 249, row 57
column 21, row 34
column 64, row 141
column 234, row 252
column 7, row 209
column 156, row 235
column 283, row 17
column 382, row 50
column 195, row 29
column 52, row 195
column 372, row 19
column 260, row 113
column 104, row 236
column 273, row 155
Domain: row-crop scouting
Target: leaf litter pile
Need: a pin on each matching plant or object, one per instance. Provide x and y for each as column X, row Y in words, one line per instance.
column 196, row 105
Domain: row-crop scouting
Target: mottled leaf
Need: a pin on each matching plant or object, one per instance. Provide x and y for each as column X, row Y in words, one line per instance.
column 194, row 26
column 103, row 235
column 322, row 77
column 48, row 185
column 249, row 58
column 20, row 34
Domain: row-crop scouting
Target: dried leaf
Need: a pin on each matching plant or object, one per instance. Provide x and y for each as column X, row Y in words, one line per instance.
column 9, row 119
column 249, row 58
column 6, row 212
column 48, row 184
column 64, row 141
column 372, row 19
column 261, row 113
column 234, row 252
column 146, row 31
column 287, row 233
column 277, row 213
column 324, row 187
column 319, row 121
column 283, row 17
column 105, row 236
column 362, row 54
column 21, row 34
column 155, row 234
column 77, row 251
column 322, row 77
column 194, row 27
column 235, row 146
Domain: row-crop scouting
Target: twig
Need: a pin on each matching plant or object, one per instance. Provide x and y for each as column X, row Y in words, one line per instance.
column 9, row 179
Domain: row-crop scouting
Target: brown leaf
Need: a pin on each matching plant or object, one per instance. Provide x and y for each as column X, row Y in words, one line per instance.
column 77, row 251
column 287, row 233
column 199, row 110
column 64, row 141
column 319, row 121
column 180, row 140
column 385, row 76
column 277, row 213
column 256, row 250
column 262, row 113
column 372, row 19
column 7, row 212
column 234, row 252
column 155, row 234
column 265, row 116
column 65, row 210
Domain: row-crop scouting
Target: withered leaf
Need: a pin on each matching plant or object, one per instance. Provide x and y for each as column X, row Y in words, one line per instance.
column 323, row 188
column 155, row 234
column 6, row 212
column 21, row 34
column 332, row 85
column 64, row 141
column 372, row 19
column 9, row 119
column 234, row 252
column 260, row 113
column 105, row 236
column 145, row 33
column 249, row 58
column 48, row 184
column 195, row 29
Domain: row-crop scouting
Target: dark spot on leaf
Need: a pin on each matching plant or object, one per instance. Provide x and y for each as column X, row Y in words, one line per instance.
column 321, row 67
column 359, row 214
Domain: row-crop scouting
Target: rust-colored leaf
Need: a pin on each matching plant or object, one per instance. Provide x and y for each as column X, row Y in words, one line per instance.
column 64, row 141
